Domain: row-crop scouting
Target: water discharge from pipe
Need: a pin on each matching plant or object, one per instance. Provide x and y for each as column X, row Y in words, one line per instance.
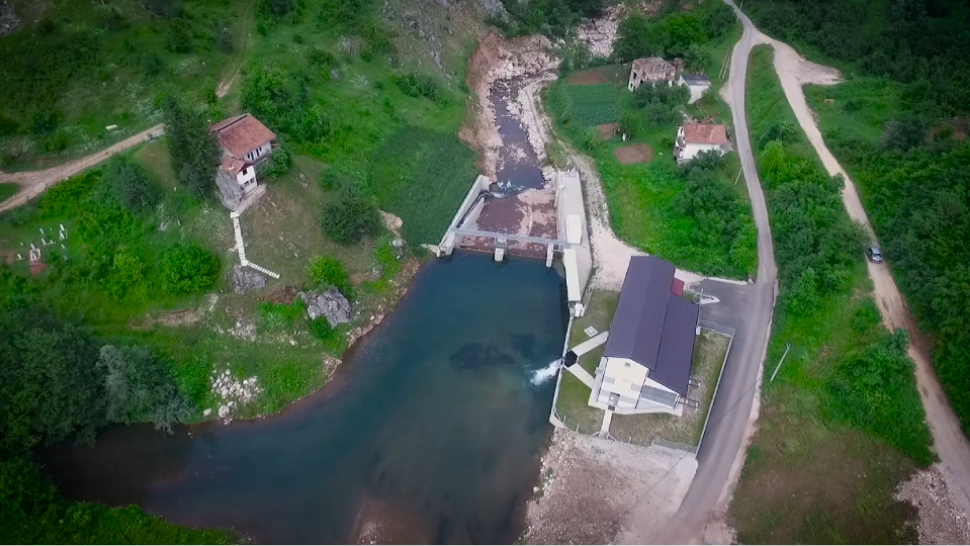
column 542, row 375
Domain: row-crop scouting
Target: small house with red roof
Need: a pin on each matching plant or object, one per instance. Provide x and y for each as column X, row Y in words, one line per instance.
column 244, row 141
column 696, row 138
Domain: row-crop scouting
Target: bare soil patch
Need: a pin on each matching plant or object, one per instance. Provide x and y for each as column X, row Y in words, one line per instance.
column 634, row 153
column 607, row 130
column 591, row 491
column 590, row 77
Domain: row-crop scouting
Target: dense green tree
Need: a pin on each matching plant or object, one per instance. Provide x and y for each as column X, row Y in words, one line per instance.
column 140, row 388
column 352, row 216
column 193, row 149
column 188, row 269
column 129, row 184
column 676, row 34
column 49, row 384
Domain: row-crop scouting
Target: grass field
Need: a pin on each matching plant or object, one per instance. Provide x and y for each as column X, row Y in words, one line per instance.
column 821, row 468
column 7, row 190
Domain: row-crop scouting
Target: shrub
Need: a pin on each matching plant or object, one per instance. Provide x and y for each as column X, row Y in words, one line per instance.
column 333, row 339
column 223, row 38
column 419, row 85
column 330, row 179
column 351, row 217
column 324, row 270
column 874, row 390
column 275, row 317
column 129, row 184
column 275, row 166
column 179, row 36
column 188, row 269
column 631, row 123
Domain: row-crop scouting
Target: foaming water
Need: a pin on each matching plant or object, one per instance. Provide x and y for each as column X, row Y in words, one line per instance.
column 430, row 433
column 542, row 375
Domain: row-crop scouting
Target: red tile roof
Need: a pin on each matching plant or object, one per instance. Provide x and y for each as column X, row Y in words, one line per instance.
column 696, row 133
column 242, row 134
column 233, row 166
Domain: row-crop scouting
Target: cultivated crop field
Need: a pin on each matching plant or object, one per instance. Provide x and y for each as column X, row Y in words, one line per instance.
column 592, row 104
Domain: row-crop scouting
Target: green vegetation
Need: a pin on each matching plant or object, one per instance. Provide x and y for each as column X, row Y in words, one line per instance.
column 696, row 217
column 846, row 392
column 193, row 149
column 589, row 105
column 352, row 216
column 421, row 175
column 7, row 190
column 129, row 184
column 274, row 166
column 677, row 34
column 327, row 271
column 917, row 44
column 891, row 124
column 33, row 512
column 187, row 269
column 278, row 317
column 554, row 18
column 75, row 68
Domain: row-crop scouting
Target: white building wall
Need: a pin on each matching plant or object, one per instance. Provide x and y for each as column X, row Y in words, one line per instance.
column 696, row 92
column 691, row 150
column 247, row 179
column 260, row 152
column 626, row 378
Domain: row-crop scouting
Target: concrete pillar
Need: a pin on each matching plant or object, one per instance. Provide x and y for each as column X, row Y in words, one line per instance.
column 549, row 253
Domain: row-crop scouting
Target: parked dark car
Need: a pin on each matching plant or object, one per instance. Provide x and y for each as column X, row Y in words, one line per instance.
column 874, row 254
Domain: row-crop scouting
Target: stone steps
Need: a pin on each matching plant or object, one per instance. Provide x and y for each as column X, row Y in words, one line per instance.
column 262, row 270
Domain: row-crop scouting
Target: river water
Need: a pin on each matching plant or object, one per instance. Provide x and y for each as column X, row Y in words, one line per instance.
column 430, row 432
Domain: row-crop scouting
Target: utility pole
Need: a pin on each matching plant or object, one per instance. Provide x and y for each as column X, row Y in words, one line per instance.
column 778, row 367
column 738, row 177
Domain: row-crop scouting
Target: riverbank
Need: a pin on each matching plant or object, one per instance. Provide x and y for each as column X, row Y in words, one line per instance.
column 432, row 429
column 596, row 491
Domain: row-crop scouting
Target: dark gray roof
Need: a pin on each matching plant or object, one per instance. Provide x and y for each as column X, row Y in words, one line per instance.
column 695, row 79
column 645, row 311
column 676, row 346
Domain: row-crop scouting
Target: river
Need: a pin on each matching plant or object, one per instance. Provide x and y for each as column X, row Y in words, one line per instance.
column 430, row 432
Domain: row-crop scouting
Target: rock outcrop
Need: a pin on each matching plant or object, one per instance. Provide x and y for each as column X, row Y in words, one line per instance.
column 246, row 280
column 330, row 304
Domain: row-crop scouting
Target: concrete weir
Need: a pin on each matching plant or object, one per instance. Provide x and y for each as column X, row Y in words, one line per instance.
column 571, row 244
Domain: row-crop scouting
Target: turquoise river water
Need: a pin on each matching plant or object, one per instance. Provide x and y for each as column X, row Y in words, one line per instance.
column 430, row 432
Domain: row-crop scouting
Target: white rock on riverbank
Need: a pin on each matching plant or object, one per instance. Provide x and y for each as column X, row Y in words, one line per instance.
column 233, row 392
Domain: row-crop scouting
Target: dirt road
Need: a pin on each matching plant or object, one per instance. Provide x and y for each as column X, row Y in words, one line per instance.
column 34, row 183
column 949, row 441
